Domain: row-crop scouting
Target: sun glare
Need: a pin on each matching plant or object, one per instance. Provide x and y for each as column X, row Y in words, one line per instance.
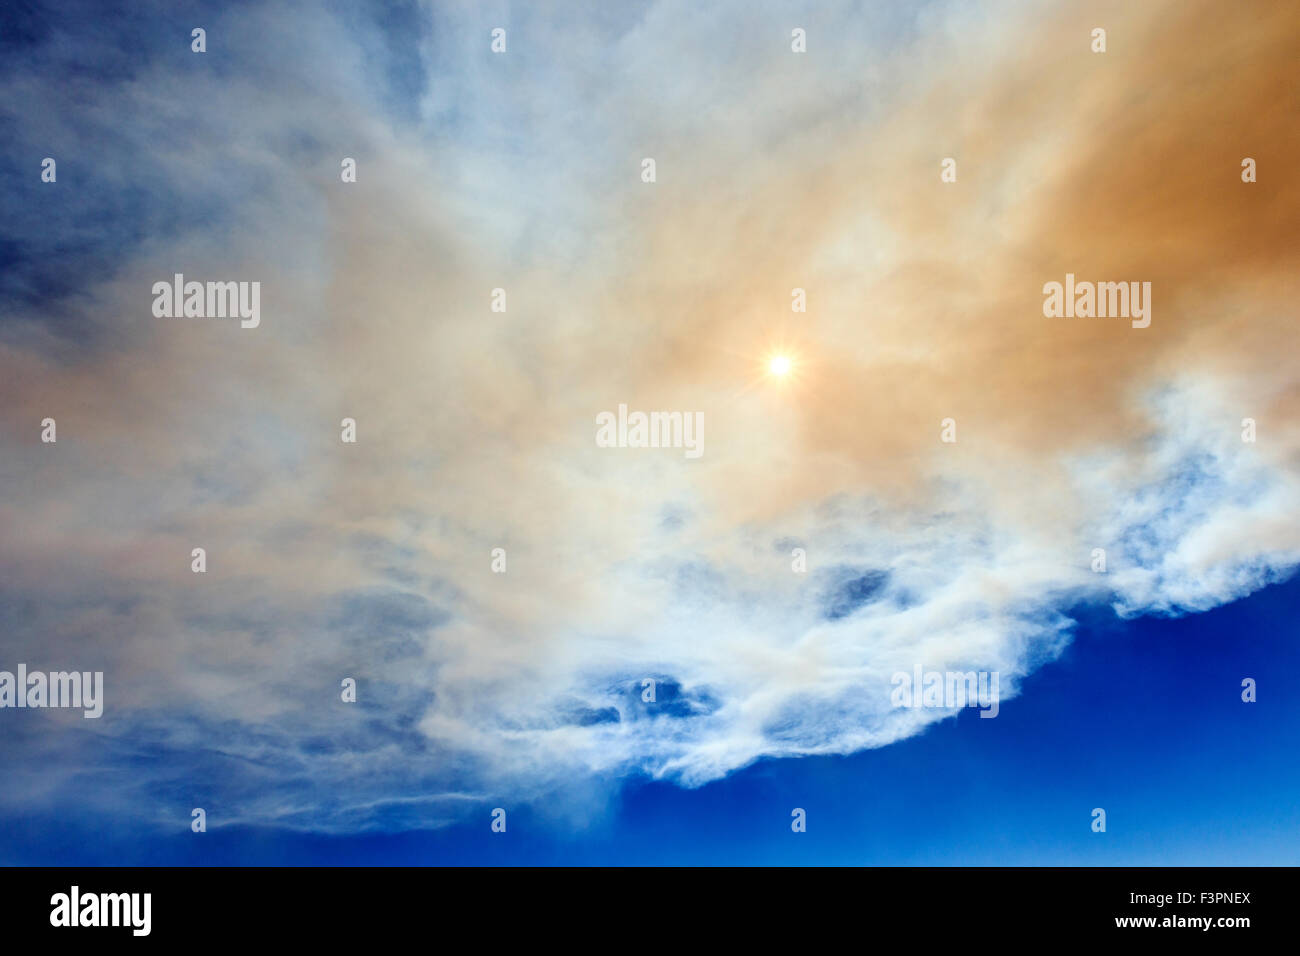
column 779, row 365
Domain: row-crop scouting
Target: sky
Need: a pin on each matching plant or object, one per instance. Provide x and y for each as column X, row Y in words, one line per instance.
column 827, row 537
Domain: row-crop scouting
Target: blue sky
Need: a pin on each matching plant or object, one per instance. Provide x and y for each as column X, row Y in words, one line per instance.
column 1143, row 718
column 944, row 475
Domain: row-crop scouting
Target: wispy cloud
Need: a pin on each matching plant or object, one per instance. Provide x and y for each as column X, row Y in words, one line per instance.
column 475, row 171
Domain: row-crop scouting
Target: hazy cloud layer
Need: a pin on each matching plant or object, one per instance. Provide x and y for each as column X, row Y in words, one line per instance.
column 476, row 429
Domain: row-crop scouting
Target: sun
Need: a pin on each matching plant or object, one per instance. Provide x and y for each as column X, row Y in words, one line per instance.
column 779, row 365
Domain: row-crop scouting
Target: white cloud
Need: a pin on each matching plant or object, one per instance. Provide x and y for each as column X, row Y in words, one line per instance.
column 476, row 429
